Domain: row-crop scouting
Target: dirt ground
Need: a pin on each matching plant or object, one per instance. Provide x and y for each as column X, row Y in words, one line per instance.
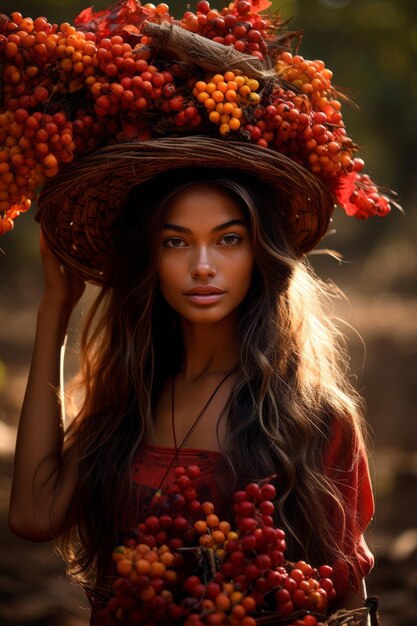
column 33, row 587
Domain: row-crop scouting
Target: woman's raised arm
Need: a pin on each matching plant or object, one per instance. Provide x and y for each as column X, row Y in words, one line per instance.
column 43, row 484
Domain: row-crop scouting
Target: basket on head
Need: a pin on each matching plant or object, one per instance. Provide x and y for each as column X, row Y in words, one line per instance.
column 80, row 207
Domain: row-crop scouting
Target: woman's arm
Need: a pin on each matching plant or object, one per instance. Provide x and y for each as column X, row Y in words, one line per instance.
column 354, row 599
column 43, row 485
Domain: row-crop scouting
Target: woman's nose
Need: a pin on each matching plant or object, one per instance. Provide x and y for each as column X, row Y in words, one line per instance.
column 202, row 264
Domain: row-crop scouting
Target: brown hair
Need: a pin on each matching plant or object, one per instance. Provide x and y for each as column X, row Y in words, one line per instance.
column 291, row 393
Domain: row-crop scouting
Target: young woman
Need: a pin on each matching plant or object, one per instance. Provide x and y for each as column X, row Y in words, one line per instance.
column 210, row 343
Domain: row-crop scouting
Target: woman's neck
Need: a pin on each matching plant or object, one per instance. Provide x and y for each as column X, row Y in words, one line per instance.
column 209, row 348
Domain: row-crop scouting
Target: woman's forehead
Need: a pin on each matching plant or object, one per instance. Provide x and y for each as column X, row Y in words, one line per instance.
column 206, row 203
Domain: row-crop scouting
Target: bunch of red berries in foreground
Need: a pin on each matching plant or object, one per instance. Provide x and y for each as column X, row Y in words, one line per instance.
column 186, row 566
column 67, row 90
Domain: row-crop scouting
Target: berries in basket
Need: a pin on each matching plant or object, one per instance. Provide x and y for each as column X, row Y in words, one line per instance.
column 186, row 566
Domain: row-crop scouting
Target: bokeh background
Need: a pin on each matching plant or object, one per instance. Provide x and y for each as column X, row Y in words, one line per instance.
column 371, row 46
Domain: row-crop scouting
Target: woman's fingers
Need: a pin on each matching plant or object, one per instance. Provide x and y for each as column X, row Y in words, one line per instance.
column 61, row 285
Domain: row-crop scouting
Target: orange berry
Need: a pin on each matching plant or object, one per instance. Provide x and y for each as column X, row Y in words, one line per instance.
column 201, row 525
column 10, row 50
column 200, row 86
column 214, row 116
column 228, row 110
column 244, row 90
column 224, row 129
column 222, row 86
column 212, row 520
column 230, row 95
column 210, row 104
column 50, row 161
column 217, row 78
column 167, row 558
column 234, row 123
column 170, row 577
column 249, row 603
column 148, row 594
column 222, row 601
column 157, row 570
column 142, row 548
column 162, row 8
column 238, row 611
column 202, row 96
column 206, row 541
column 229, row 76
column 218, row 537
column 124, row 567
column 207, row 508
column 232, row 535
column 143, row 567
column 151, row 556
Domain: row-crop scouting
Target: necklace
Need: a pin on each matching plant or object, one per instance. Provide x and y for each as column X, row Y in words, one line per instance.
column 191, row 429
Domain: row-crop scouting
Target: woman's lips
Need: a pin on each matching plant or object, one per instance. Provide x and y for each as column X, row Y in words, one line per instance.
column 206, row 298
column 204, row 294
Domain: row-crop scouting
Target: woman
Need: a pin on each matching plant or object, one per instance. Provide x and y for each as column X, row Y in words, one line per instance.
column 207, row 295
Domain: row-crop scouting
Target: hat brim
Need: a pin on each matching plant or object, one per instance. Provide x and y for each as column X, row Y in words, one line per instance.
column 78, row 208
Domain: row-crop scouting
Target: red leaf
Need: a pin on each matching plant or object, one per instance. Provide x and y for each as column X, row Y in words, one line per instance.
column 112, row 20
column 359, row 196
column 260, row 5
column 345, row 188
column 257, row 5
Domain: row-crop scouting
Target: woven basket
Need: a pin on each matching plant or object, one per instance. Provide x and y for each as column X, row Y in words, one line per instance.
column 80, row 207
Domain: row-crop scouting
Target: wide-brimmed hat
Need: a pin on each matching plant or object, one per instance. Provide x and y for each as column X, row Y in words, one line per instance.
column 144, row 94
column 80, row 208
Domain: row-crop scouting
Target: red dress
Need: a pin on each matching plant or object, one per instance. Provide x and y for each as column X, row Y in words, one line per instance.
column 353, row 482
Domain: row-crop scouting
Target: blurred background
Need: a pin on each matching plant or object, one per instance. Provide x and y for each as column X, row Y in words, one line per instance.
column 371, row 46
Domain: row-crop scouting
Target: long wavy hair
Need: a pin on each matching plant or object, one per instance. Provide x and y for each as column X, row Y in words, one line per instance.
column 291, row 393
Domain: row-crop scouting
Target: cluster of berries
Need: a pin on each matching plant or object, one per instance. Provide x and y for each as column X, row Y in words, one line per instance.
column 236, row 25
column 67, row 90
column 187, row 566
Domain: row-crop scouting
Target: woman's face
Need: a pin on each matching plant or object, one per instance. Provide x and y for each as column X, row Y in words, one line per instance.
column 206, row 248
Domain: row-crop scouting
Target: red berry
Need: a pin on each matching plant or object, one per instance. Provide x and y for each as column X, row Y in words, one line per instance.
column 252, row 490
column 203, row 6
column 179, row 471
column 240, row 496
column 246, row 509
column 243, row 7
column 268, row 492
column 246, row 524
column 193, row 471
column 152, row 523
column 325, row 571
column 266, row 507
column 249, row 542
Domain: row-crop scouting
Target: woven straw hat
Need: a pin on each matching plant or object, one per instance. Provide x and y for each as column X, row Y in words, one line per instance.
column 79, row 208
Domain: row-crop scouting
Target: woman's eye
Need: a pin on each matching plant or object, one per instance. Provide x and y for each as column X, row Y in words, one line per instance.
column 174, row 242
column 231, row 240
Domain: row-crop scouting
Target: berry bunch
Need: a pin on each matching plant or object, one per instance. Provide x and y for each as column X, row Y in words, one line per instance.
column 225, row 96
column 236, row 25
column 187, row 566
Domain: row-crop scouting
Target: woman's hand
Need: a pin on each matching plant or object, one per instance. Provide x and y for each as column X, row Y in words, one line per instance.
column 62, row 287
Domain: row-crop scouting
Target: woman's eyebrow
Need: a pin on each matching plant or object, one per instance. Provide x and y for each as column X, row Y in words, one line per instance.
column 183, row 229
